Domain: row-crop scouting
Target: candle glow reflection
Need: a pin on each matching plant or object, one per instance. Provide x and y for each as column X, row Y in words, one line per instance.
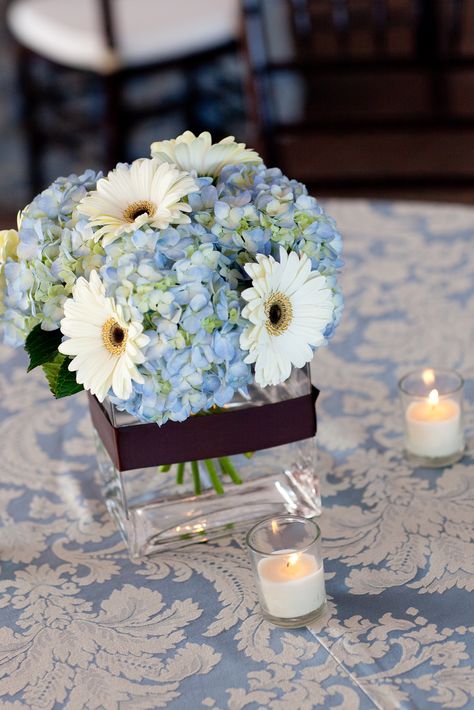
column 428, row 376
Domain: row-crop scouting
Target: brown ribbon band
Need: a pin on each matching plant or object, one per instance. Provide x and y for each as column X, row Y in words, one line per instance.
column 197, row 438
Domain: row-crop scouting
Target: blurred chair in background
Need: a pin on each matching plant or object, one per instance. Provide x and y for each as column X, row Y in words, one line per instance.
column 104, row 45
column 364, row 96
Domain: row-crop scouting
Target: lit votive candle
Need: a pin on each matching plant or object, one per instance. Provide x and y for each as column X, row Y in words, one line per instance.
column 432, row 404
column 286, row 556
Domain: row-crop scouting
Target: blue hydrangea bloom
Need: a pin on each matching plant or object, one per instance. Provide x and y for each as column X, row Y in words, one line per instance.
column 56, row 247
column 192, row 317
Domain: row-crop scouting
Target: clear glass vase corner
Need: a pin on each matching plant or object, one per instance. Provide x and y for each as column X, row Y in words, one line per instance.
column 158, row 508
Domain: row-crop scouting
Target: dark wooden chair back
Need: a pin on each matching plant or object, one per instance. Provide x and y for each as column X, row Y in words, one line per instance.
column 320, row 71
column 102, row 111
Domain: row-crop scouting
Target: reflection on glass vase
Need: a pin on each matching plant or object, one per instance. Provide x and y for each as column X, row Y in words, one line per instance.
column 197, row 480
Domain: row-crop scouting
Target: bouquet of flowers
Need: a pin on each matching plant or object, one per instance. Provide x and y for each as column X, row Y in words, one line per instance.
column 172, row 282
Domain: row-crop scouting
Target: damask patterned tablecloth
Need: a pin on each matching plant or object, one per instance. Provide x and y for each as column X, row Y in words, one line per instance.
column 81, row 626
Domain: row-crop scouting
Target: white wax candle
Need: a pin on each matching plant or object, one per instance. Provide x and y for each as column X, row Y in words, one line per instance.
column 433, row 427
column 292, row 585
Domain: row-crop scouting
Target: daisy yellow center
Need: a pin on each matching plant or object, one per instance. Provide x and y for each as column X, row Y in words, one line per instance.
column 278, row 312
column 114, row 337
column 136, row 209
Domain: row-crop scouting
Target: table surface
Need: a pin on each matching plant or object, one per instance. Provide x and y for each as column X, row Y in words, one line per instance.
column 81, row 626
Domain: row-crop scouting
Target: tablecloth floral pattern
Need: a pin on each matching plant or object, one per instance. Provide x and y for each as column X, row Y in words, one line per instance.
column 81, row 626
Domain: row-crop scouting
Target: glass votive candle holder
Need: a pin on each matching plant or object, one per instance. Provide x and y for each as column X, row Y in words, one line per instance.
column 286, row 556
column 432, row 401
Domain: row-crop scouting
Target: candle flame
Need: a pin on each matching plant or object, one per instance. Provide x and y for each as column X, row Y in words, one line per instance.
column 274, row 527
column 428, row 376
column 433, row 398
column 292, row 559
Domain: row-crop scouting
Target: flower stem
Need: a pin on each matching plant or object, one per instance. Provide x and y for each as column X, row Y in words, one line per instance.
column 165, row 468
column 215, row 480
column 196, row 477
column 180, row 474
column 228, row 467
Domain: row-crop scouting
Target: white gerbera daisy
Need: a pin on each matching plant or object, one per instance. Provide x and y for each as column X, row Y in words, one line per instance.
column 289, row 307
column 107, row 349
column 190, row 152
column 146, row 192
column 9, row 241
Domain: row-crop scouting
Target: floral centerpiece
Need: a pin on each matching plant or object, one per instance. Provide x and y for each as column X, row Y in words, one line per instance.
column 174, row 282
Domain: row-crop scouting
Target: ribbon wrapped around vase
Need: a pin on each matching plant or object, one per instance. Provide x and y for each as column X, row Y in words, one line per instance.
column 225, row 433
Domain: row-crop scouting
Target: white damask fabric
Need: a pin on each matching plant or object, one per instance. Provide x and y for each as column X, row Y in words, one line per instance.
column 81, row 626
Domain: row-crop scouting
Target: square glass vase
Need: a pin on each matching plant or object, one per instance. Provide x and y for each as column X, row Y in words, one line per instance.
column 157, row 507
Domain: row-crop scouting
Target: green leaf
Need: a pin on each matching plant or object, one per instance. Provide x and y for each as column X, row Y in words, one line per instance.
column 66, row 383
column 62, row 381
column 51, row 370
column 42, row 346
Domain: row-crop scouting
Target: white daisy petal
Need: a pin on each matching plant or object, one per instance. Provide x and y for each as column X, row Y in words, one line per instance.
column 288, row 308
column 146, row 192
column 105, row 348
column 77, row 346
column 199, row 154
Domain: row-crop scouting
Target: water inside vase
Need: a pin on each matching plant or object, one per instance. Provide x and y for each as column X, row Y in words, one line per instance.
column 154, row 513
